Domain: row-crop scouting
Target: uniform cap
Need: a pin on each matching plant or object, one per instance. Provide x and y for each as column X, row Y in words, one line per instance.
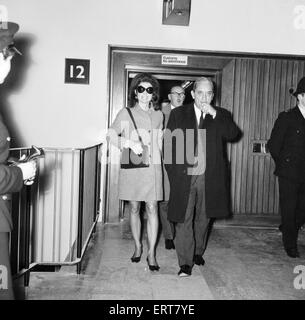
column 7, row 32
column 300, row 88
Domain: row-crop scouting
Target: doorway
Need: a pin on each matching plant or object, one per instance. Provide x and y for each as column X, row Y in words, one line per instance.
column 125, row 63
column 168, row 80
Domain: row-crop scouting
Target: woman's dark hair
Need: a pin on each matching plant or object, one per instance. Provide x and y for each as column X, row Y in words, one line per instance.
column 143, row 77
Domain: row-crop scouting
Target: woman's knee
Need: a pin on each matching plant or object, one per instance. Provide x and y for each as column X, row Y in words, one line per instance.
column 134, row 207
column 151, row 207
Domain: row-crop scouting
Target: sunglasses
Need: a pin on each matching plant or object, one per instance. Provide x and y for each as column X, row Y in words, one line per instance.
column 149, row 90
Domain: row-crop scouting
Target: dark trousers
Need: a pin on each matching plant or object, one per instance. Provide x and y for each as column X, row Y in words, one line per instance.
column 167, row 226
column 6, row 285
column 292, row 205
column 191, row 235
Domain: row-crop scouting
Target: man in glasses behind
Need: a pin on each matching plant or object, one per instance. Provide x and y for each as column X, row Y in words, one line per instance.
column 176, row 98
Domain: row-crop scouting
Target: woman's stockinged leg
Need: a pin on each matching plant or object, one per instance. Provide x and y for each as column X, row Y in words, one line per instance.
column 135, row 225
column 152, row 229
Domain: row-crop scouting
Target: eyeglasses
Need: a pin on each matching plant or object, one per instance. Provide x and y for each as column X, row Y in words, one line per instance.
column 181, row 94
column 149, row 90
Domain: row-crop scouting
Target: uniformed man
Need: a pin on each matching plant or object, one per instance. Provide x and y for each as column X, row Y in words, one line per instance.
column 287, row 148
column 11, row 177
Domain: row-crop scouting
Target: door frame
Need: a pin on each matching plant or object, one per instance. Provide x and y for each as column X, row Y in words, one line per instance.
column 125, row 60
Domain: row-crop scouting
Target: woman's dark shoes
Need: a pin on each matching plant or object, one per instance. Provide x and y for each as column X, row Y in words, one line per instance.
column 152, row 267
column 135, row 258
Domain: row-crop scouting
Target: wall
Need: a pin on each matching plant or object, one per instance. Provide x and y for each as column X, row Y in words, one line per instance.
column 261, row 92
column 73, row 115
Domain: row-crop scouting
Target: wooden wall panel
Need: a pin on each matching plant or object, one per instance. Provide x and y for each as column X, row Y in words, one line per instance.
column 261, row 92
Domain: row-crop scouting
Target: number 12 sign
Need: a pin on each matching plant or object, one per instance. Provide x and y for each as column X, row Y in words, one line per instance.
column 77, row 71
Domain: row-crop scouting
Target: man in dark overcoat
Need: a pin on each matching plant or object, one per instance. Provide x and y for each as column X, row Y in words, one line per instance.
column 197, row 169
column 287, row 148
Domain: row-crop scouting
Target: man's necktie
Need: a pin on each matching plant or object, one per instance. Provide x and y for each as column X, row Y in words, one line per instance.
column 200, row 147
column 201, row 121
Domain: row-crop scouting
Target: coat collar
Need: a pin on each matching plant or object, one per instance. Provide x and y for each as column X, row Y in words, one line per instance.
column 297, row 113
column 190, row 118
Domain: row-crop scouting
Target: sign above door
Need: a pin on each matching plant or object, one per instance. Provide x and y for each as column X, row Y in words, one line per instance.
column 174, row 59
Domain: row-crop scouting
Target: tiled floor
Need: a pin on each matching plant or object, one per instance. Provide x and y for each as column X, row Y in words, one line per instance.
column 244, row 260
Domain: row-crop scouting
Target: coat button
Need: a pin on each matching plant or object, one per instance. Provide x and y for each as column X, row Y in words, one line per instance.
column 298, row 131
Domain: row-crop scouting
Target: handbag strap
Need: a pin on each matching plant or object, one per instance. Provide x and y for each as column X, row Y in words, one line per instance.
column 134, row 123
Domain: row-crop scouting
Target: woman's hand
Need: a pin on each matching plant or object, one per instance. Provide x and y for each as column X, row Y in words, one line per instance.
column 135, row 146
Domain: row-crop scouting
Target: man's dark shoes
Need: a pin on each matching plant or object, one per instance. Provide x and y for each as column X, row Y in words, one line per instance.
column 198, row 260
column 169, row 244
column 185, row 271
column 293, row 253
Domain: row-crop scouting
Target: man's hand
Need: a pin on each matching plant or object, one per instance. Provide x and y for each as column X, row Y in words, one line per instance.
column 208, row 109
column 28, row 170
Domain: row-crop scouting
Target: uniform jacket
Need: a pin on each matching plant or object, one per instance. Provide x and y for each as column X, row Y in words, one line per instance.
column 10, row 180
column 287, row 145
column 218, row 131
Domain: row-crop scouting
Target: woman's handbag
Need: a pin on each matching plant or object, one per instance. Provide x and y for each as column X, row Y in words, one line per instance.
column 131, row 160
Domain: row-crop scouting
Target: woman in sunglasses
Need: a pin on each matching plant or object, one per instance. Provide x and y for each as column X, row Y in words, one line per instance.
column 141, row 184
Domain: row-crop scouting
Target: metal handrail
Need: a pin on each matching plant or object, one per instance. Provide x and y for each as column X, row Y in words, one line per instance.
column 23, row 249
column 59, row 148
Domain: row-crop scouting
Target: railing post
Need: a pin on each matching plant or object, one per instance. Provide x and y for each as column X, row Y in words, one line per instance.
column 80, row 208
column 27, row 232
column 27, row 235
column 95, row 187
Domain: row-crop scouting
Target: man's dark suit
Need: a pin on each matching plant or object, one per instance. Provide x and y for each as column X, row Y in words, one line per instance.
column 287, row 148
column 216, row 190
column 167, row 226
